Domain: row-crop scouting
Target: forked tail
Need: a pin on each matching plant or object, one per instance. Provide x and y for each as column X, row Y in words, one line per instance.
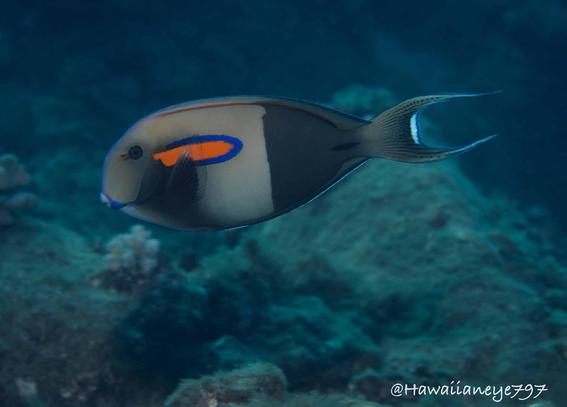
column 394, row 134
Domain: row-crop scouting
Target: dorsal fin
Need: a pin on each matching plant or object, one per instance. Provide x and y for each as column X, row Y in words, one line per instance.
column 335, row 117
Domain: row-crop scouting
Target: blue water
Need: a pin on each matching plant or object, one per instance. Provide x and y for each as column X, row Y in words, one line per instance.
column 410, row 274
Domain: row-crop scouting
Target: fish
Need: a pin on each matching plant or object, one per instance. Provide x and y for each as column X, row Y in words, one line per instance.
column 230, row 162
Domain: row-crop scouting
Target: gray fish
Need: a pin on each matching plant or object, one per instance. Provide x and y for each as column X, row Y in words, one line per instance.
column 234, row 161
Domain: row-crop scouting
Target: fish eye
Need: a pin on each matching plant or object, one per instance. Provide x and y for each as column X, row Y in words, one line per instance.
column 135, row 152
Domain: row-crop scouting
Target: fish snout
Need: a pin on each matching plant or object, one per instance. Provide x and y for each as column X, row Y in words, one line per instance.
column 111, row 203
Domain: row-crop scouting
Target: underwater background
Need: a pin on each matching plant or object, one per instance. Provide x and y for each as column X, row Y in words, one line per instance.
column 412, row 274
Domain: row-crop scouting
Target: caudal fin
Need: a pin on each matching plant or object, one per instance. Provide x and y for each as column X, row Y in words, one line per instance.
column 395, row 135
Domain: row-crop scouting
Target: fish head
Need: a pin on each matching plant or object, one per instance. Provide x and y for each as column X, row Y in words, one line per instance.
column 130, row 174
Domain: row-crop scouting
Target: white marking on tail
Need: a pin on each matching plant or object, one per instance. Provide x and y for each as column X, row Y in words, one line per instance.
column 414, row 128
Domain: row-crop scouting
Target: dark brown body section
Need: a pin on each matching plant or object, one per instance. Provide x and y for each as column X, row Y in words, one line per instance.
column 302, row 153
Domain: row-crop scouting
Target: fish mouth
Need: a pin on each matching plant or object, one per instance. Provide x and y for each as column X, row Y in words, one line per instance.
column 112, row 203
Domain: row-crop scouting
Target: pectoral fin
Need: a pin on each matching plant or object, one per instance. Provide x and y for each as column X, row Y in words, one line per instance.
column 185, row 178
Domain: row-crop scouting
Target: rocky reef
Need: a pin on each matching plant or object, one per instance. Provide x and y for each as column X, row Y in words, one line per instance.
column 235, row 387
column 257, row 385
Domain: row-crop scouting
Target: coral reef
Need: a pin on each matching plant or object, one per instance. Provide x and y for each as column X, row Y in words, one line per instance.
column 132, row 260
column 13, row 177
column 230, row 314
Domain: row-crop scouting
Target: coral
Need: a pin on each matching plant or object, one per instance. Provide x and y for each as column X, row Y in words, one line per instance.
column 27, row 391
column 13, row 177
column 132, row 260
column 12, row 173
column 225, row 388
column 135, row 250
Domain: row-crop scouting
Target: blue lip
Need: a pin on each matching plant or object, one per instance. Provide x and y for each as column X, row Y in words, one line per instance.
column 116, row 205
column 111, row 202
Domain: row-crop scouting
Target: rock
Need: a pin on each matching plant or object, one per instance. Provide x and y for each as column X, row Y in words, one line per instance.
column 229, row 388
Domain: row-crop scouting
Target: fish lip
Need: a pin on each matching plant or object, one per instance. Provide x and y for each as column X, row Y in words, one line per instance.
column 112, row 203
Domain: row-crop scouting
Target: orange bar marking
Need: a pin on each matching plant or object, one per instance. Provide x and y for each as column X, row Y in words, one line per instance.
column 197, row 152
